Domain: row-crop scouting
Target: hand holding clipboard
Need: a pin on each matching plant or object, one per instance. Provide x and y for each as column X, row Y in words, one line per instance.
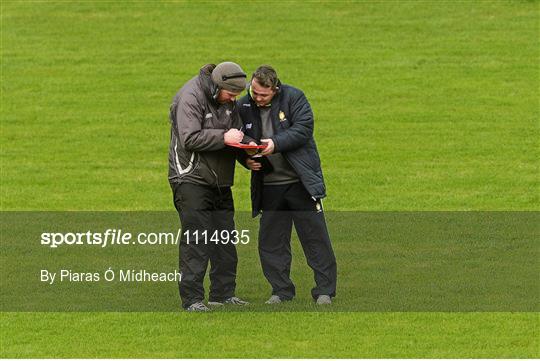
column 257, row 161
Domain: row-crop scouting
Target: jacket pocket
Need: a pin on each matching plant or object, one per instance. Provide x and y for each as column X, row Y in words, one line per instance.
column 206, row 173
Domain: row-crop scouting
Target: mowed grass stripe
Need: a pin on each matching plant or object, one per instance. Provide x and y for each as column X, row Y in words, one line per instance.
column 259, row 335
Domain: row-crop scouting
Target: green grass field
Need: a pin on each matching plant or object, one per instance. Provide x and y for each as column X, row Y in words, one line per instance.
column 419, row 106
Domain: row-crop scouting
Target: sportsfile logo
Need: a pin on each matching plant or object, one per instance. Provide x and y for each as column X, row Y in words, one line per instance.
column 110, row 237
column 118, row 237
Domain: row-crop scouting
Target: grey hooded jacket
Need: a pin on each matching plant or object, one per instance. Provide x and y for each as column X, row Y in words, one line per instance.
column 197, row 153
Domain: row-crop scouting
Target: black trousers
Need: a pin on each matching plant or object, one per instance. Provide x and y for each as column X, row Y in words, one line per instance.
column 204, row 208
column 283, row 206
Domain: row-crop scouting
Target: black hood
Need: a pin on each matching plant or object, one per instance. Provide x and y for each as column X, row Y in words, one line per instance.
column 209, row 88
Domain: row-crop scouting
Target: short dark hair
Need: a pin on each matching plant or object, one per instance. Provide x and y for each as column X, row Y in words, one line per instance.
column 266, row 76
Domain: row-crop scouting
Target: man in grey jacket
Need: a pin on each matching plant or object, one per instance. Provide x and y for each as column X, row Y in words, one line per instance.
column 204, row 119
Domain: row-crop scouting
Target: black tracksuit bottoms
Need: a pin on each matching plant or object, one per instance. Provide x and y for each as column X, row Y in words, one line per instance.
column 283, row 205
column 204, row 208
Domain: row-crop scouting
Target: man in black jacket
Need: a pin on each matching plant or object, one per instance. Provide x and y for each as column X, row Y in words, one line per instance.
column 287, row 185
column 201, row 172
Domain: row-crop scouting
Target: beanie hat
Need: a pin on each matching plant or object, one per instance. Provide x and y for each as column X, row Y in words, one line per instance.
column 229, row 76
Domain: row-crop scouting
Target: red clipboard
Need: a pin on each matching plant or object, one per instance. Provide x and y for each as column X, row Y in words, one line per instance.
column 247, row 146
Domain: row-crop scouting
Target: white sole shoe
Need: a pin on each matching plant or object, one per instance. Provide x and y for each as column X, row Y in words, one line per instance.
column 324, row 300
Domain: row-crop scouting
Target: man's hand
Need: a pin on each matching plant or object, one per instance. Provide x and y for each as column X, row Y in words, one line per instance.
column 269, row 148
column 252, row 151
column 233, row 136
column 253, row 164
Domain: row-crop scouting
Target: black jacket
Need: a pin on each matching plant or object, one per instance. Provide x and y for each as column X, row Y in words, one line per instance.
column 292, row 120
